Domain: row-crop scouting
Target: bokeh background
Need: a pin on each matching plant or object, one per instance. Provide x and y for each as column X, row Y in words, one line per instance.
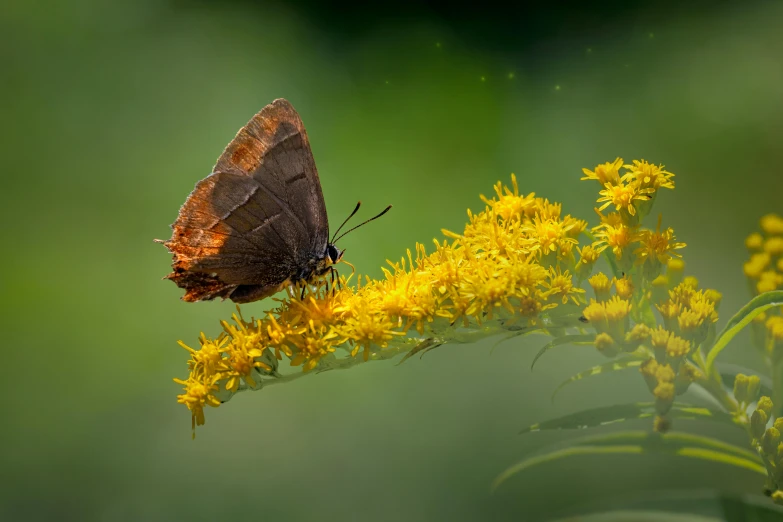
column 113, row 110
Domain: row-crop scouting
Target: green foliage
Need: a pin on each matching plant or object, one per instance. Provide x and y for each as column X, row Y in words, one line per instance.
column 624, row 412
column 641, row 442
column 740, row 320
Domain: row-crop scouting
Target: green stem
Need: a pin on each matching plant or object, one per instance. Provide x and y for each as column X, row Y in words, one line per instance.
column 777, row 386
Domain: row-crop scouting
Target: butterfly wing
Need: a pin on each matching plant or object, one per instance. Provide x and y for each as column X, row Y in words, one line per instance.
column 251, row 225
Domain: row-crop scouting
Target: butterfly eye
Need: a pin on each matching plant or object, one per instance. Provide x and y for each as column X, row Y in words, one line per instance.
column 334, row 253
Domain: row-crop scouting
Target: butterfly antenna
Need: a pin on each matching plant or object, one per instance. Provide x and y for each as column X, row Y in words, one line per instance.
column 362, row 224
column 359, row 204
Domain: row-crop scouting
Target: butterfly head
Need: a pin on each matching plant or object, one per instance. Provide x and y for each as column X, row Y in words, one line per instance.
column 333, row 253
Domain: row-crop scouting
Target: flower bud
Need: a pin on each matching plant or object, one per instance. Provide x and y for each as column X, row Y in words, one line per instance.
column 606, row 345
column 741, row 388
column 758, row 423
column 648, row 369
column 639, row 334
column 754, row 387
column 770, row 441
column 601, row 286
column 664, row 397
column 765, row 404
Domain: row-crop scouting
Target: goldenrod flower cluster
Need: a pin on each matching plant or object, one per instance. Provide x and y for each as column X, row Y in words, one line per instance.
column 517, row 267
column 648, row 278
column 764, row 272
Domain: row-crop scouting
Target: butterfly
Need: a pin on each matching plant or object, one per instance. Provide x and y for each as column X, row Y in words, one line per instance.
column 257, row 224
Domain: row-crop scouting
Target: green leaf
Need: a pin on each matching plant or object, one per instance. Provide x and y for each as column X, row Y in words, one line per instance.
column 741, row 319
column 640, row 442
column 623, row 412
column 566, row 339
column 611, row 366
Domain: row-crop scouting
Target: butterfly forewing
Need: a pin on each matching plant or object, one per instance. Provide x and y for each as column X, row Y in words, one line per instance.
column 257, row 219
column 274, row 150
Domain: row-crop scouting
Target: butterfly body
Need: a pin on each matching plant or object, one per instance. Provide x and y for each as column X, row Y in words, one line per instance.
column 258, row 222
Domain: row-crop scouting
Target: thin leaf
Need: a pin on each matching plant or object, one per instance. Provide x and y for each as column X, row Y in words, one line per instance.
column 639, row 442
column 741, row 319
column 424, row 346
column 623, row 412
column 612, row 366
column 556, row 455
column 652, row 438
column 566, row 339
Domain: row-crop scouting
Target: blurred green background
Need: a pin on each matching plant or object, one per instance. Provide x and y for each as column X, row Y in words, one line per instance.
column 112, row 111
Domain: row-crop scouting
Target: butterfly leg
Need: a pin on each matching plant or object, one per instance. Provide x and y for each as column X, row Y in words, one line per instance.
column 332, row 271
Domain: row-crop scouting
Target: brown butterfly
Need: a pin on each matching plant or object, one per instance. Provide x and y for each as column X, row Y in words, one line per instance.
column 258, row 223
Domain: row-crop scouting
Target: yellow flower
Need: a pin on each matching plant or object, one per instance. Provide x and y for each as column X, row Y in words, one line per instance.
column 669, row 311
column 664, row 397
column 659, row 339
column 772, row 224
column 617, row 238
column 774, row 246
column 549, row 236
column 317, row 342
column 754, row 242
column 676, row 350
column 649, row 176
column 544, row 209
column 657, row 247
column 588, row 256
column 509, row 204
column 623, row 196
column 768, row 281
column 607, row 173
column 774, row 326
column 606, row 345
column 601, row 286
column 207, row 359
column 197, row 395
column 624, row 287
column 595, row 313
column 617, row 311
column 665, row 373
column 366, row 328
column 758, row 262
column 639, row 334
column 561, row 286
